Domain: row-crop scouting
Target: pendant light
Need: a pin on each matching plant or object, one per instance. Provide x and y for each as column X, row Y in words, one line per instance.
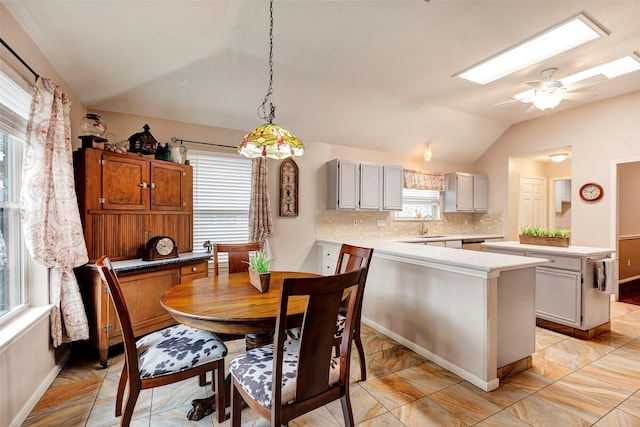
column 270, row 140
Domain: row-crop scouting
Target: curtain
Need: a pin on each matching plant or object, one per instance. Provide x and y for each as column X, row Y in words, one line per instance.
column 49, row 209
column 260, row 222
column 419, row 180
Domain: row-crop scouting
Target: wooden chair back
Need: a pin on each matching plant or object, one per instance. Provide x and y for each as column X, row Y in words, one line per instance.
column 352, row 258
column 238, row 254
column 316, row 342
column 105, row 269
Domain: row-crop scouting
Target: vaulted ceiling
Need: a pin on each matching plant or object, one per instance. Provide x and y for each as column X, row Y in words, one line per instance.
column 376, row 74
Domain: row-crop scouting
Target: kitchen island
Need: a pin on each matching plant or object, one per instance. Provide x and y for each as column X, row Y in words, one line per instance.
column 471, row 312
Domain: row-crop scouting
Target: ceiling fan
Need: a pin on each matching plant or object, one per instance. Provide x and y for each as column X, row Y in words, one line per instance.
column 547, row 93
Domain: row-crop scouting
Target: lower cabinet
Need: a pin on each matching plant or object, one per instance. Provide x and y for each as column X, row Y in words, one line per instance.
column 142, row 288
column 558, row 295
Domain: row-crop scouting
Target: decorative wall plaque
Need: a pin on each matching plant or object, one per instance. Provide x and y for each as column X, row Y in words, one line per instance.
column 289, row 188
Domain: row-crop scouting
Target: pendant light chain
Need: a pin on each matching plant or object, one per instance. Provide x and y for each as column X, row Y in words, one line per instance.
column 262, row 109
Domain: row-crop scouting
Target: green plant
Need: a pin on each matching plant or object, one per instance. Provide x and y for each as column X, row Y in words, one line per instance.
column 539, row 231
column 260, row 262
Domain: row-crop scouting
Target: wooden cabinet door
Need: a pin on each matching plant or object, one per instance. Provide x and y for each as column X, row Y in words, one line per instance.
column 142, row 294
column 125, row 181
column 169, row 186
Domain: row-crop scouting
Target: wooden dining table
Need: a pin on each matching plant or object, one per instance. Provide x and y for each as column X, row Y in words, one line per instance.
column 229, row 304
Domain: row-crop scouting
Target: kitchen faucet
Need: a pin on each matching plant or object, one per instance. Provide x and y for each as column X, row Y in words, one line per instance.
column 425, row 230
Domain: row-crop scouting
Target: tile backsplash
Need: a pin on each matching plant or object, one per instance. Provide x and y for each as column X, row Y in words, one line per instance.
column 337, row 224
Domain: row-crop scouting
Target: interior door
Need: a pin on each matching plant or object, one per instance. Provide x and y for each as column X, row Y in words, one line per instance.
column 532, row 202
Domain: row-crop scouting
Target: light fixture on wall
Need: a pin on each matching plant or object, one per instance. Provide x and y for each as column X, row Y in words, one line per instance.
column 428, row 153
column 270, row 140
column 558, row 157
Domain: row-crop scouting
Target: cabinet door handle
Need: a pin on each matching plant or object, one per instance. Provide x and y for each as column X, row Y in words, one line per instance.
column 194, row 269
column 152, row 185
column 142, row 185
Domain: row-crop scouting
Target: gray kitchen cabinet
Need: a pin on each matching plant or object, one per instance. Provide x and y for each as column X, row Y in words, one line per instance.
column 565, row 290
column 563, row 193
column 364, row 186
column 392, row 193
column 466, row 192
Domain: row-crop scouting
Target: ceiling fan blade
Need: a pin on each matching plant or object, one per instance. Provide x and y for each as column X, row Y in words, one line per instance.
column 579, row 96
column 506, row 102
column 536, row 84
column 591, row 81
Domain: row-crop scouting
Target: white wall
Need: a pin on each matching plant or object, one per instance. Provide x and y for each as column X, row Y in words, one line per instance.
column 599, row 134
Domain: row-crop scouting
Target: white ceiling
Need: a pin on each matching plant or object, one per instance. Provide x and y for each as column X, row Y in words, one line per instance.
column 375, row 74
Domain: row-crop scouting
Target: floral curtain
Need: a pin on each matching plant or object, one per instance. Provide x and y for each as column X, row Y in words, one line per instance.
column 260, row 221
column 419, row 180
column 49, row 209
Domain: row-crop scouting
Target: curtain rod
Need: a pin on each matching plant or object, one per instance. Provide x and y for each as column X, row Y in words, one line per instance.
column 36, row 75
column 174, row 139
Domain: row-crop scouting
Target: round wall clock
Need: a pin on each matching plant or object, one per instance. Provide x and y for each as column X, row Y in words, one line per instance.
column 591, row 192
column 288, row 188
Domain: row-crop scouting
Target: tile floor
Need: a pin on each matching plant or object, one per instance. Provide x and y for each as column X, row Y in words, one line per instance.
column 571, row 383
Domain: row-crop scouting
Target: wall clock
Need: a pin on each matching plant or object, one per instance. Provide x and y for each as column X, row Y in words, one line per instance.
column 160, row 247
column 591, row 192
column 289, row 188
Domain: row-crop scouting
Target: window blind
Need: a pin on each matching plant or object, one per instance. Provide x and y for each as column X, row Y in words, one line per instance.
column 221, row 196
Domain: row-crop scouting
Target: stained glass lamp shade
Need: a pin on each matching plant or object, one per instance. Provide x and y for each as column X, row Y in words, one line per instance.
column 270, row 140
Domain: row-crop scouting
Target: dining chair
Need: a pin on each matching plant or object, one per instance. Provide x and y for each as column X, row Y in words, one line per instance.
column 162, row 357
column 291, row 377
column 352, row 258
column 238, row 254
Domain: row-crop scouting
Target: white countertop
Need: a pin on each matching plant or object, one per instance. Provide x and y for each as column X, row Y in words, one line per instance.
column 446, row 238
column 458, row 258
column 571, row 250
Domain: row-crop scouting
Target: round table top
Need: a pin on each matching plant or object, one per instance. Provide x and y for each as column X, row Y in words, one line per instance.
column 228, row 303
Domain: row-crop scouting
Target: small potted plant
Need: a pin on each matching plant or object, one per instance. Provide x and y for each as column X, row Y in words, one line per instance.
column 259, row 274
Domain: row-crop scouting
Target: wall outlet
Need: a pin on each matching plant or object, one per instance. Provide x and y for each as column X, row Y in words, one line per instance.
column 381, row 223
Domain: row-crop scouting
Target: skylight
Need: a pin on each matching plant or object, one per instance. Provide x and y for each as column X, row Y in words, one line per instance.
column 562, row 38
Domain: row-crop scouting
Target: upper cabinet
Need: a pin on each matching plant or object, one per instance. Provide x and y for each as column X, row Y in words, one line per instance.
column 137, row 183
column 466, row 192
column 563, row 193
column 366, row 186
column 133, row 198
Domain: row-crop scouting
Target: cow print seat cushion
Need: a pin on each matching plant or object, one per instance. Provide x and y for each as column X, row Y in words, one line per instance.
column 177, row 348
column 294, row 333
column 253, row 370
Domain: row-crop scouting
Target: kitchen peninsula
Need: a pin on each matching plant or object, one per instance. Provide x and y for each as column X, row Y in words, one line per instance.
column 469, row 311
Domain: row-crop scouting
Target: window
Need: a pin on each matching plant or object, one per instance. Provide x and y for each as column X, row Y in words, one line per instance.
column 15, row 101
column 221, row 196
column 419, row 203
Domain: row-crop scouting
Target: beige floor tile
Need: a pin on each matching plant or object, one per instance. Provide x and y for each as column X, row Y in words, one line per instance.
column 69, row 394
column 427, row 378
column 384, row 420
column 549, row 369
column 624, row 326
column 545, row 338
column 392, row 391
column 502, row 419
column 320, row 417
column 528, row 381
column 103, row 412
column 70, row 416
column 630, row 350
column 632, row 405
column 464, row 404
column 537, row 411
column 505, row 395
column 596, row 387
column 177, row 417
column 397, row 358
column 574, row 402
column 176, row 395
column 618, row 418
column 572, row 354
column 363, row 405
column 426, row 413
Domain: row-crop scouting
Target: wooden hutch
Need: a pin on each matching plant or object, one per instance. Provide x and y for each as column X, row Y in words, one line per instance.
column 124, row 200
